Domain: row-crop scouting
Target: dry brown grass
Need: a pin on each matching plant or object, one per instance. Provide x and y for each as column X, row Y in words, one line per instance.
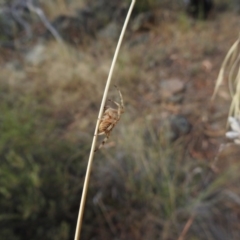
column 230, row 69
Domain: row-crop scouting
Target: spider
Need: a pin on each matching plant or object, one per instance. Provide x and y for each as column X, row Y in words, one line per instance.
column 110, row 118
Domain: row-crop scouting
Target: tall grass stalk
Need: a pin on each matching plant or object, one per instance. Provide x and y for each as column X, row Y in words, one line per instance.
column 87, row 177
column 231, row 64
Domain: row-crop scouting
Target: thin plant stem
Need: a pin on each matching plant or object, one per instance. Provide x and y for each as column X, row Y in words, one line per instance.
column 87, row 177
column 186, row 227
column 45, row 21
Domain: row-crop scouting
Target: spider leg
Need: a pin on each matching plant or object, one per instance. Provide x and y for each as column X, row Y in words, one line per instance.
column 98, row 134
column 120, row 108
column 121, row 98
column 103, row 142
column 110, row 127
column 114, row 102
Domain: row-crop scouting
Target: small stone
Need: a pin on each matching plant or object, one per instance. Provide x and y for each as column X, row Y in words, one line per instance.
column 143, row 21
column 111, row 31
column 178, row 126
column 36, row 55
column 171, row 87
column 176, row 98
column 8, row 27
column 174, row 85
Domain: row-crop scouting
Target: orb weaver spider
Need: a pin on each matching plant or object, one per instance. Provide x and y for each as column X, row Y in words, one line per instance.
column 110, row 118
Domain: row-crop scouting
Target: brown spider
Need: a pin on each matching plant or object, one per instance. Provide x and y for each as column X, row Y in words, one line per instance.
column 109, row 119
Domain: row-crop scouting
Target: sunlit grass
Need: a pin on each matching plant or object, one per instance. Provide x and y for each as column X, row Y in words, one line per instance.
column 230, row 71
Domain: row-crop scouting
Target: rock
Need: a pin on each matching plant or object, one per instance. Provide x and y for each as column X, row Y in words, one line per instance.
column 179, row 126
column 168, row 128
column 16, row 19
column 176, row 98
column 139, row 39
column 143, row 21
column 174, row 127
column 75, row 29
column 172, row 86
column 106, row 11
column 14, row 66
column 111, row 31
column 199, row 9
column 102, row 18
column 8, row 27
column 36, row 55
column 172, row 90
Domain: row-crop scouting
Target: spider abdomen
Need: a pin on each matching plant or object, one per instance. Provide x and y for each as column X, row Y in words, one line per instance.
column 109, row 119
column 105, row 126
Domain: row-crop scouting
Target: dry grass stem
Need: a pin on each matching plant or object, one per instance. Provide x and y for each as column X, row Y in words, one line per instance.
column 231, row 68
column 186, row 228
column 87, row 177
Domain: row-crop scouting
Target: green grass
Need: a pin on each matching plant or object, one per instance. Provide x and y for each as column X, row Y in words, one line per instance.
column 38, row 172
column 150, row 191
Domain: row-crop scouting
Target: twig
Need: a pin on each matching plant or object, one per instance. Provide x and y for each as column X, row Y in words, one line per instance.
column 45, row 21
column 17, row 8
column 186, row 228
column 87, row 177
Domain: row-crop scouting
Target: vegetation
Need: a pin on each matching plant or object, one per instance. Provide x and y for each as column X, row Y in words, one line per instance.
column 37, row 168
column 144, row 185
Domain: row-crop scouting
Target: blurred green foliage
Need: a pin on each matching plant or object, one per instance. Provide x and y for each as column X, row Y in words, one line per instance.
column 40, row 173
